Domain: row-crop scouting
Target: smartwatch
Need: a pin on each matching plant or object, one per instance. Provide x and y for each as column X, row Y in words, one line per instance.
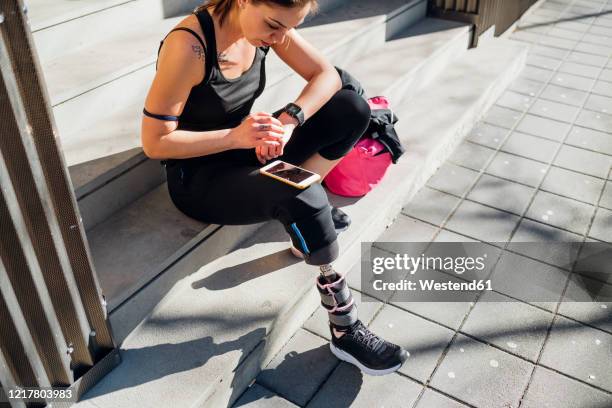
column 294, row 111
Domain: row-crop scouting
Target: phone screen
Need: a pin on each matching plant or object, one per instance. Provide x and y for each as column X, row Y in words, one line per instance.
column 290, row 172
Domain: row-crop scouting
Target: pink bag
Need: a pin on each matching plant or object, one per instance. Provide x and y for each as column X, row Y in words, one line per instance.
column 364, row 166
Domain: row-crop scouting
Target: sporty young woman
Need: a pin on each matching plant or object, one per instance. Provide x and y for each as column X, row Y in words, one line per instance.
column 198, row 120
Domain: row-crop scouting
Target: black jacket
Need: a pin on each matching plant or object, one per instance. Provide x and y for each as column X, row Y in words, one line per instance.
column 382, row 121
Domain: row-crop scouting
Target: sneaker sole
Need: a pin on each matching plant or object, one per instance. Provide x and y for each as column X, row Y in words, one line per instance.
column 344, row 356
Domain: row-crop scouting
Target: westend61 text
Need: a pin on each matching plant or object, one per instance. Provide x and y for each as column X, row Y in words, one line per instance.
column 432, row 285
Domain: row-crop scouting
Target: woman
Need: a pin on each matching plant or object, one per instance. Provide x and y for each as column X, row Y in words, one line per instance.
column 197, row 118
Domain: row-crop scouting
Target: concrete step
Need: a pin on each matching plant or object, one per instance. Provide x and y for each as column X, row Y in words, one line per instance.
column 94, row 203
column 213, row 332
column 72, row 26
column 111, row 121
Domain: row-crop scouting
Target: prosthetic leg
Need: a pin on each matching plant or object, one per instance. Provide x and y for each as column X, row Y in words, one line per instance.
column 315, row 237
column 336, row 298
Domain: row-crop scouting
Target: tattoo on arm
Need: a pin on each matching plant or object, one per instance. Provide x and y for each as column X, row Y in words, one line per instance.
column 199, row 51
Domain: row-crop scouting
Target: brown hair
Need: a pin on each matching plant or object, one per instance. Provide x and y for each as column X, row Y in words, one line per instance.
column 223, row 7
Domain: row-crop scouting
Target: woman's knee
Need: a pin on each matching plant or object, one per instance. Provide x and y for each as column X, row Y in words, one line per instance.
column 304, row 203
column 352, row 109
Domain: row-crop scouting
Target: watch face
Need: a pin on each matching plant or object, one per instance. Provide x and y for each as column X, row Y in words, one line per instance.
column 295, row 111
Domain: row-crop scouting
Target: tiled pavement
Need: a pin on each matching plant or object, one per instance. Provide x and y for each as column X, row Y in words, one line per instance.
column 535, row 169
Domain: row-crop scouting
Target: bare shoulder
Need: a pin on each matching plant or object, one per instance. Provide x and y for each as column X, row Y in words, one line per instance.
column 182, row 50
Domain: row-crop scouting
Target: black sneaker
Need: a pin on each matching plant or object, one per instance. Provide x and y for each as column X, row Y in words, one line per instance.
column 370, row 353
column 341, row 219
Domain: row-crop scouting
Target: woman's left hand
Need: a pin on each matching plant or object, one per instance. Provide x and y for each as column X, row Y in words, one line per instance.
column 265, row 153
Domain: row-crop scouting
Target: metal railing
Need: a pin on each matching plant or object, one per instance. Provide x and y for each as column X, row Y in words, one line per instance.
column 483, row 14
column 54, row 330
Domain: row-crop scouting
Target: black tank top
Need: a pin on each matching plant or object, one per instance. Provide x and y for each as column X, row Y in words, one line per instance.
column 217, row 102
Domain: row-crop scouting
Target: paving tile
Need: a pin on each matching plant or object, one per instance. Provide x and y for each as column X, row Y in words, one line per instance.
column 431, row 205
column 584, row 70
column 599, row 103
column 573, row 185
column 304, row 354
column 594, row 49
column 567, row 34
column 529, row 280
column 423, row 303
column 495, row 192
column 603, row 88
column 603, row 21
column 354, row 274
column 526, row 86
column 452, row 179
column 487, row 135
column 257, row 396
column 483, row 223
column 590, row 139
column 424, row 340
column 546, row 243
column 543, row 62
column 527, row 36
column 517, row 169
column 449, row 236
column 514, row 100
column 531, row 147
column 560, row 212
column 584, row 161
column 572, row 81
column 559, row 43
column 580, row 352
column 449, row 314
column 595, row 39
column 554, row 110
column 544, row 12
column 602, row 225
column 606, row 198
column 501, row 116
column 595, row 120
column 595, row 261
column 471, row 155
column 557, row 53
column 573, row 25
column 482, row 375
column 588, row 301
column 510, row 325
column 348, row 387
column 318, row 322
column 536, row 74
column 606, row 75
column 549, row 389
column 543, row 127
column 405, row 229
column 564, row 95
column 603, row 31
column 589, row 59
column 432, row 399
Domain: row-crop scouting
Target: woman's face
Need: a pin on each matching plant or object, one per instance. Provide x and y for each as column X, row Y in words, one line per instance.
column 266, row 24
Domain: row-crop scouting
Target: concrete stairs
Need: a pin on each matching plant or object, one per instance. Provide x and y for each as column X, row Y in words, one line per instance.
column 200, row 309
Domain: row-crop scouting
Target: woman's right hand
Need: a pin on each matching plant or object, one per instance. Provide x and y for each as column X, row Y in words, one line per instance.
column 258, row 129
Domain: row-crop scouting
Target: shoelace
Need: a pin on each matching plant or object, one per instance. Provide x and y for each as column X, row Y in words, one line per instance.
column 364, row 335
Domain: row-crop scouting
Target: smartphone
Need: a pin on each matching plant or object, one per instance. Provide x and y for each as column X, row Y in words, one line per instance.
column 290, row 174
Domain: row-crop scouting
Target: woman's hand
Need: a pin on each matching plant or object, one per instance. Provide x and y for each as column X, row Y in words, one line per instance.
column 258, row 129
column 265, row 153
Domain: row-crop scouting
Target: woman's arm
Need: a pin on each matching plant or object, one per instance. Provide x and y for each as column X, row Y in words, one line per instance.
column 180, row 67
column 310, row 64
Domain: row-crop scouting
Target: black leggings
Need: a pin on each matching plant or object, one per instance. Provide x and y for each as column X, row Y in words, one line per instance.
column 229, row 190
